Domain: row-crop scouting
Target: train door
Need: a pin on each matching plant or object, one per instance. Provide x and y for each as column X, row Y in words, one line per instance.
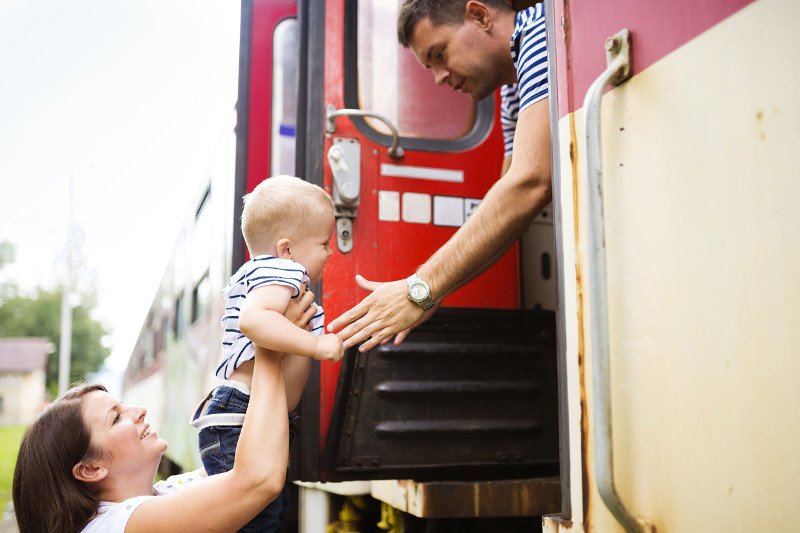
column 406, row 162
column 681, row 327
column 267, row 101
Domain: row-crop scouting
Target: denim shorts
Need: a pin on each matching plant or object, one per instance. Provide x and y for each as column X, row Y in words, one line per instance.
column 218, row 449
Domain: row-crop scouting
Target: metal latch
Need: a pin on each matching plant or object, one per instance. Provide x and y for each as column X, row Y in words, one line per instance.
column 344, row 158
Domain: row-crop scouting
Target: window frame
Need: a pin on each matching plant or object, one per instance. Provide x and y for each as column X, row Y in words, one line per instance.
column 484, row 110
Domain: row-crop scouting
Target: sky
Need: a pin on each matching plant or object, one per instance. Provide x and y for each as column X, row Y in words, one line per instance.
column 127, row 99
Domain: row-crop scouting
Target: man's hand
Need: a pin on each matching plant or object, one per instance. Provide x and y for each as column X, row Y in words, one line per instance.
column 385, row 312
column 400, row 337
column 302, row 309
column 329, row 348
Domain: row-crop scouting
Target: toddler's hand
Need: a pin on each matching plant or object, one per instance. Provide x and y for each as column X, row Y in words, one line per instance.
column 329, row 348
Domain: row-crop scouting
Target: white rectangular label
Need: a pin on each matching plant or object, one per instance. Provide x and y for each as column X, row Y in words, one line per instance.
column 389, row 206
column 448, row 211
column 422, row 173
column 416, row 208
column 470, row 205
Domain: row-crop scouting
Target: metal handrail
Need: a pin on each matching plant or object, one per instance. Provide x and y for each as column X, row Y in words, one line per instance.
column 618, row 70
column 395, row 150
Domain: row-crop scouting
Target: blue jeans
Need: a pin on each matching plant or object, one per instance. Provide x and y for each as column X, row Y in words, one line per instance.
column 218, row 448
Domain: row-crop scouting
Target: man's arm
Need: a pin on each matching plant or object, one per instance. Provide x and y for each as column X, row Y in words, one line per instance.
column 504, row 214
column 506, row 165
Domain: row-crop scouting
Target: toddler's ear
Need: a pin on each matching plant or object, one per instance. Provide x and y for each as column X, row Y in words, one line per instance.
column 284, row 248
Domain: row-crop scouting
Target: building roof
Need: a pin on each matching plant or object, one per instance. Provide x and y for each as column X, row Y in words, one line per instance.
column 24, row 354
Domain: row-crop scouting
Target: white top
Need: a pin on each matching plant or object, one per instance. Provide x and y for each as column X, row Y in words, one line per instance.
column 260, row 270
column 112, row 517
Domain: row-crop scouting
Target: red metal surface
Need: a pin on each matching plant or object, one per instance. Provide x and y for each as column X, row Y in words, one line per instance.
column 266, row 15
column 657, row 29
column 392, row 250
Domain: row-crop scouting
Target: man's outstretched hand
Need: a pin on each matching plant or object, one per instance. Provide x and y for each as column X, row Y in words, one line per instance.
column 379, row 316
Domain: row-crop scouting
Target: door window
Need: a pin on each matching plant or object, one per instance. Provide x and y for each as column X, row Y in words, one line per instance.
column 384, row 77
column 284, row 97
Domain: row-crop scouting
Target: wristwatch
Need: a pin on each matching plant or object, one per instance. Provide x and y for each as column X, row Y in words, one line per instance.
column 419, row 292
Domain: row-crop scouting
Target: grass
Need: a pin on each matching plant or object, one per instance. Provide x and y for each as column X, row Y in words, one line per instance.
column 10, row 437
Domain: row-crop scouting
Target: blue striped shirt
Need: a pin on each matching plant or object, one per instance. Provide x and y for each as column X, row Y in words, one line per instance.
column 259, row 271
column 529, row 53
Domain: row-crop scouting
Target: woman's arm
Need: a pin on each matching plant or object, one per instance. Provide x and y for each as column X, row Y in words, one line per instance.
column 226, row 502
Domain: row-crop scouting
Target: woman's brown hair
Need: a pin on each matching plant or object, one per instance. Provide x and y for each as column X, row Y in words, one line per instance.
column 46, row 496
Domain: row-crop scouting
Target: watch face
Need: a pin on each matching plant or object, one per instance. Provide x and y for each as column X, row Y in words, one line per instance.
column 418, row 291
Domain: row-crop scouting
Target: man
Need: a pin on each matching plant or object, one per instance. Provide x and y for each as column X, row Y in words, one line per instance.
column 474, row 47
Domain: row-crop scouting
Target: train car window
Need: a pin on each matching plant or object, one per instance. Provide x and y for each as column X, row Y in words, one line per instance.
column 180, row 319
column 201, row 294
column 284, row 97
column 383, row 76
column 164, row 330
column 203, row 202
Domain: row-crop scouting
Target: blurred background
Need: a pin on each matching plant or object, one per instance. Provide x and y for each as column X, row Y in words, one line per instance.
column 109, row 112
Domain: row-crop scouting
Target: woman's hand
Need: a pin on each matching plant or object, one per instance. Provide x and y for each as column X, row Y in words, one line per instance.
column 301, row 309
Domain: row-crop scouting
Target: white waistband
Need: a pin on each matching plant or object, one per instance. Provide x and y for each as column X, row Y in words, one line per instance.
column 238, row 385
column 221, row 419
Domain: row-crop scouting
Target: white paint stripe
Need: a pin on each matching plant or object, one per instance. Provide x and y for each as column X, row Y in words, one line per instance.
column 422, row 173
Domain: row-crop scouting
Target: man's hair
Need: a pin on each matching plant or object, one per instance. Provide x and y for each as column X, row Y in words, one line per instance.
column 282, row 207
column 46, row 495
column 438, row 11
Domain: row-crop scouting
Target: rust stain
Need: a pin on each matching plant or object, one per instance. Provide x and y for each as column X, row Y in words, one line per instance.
column 580, row 319
column 760, row 120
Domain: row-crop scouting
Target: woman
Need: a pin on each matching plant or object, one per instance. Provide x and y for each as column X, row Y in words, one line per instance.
column 87, row 463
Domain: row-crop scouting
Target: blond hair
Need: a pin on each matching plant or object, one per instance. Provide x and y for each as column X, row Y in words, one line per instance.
column 282, row 207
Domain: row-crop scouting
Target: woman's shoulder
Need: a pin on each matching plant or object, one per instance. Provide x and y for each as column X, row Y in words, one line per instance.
column 112, row 517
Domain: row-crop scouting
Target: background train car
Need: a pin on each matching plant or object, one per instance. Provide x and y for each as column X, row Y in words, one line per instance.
column 172, row 364
column 669, row 321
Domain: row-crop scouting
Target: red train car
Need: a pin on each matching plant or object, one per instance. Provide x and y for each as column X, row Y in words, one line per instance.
column 500, row 407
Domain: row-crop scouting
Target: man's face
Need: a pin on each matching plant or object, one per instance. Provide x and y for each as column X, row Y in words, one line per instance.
column 459, row 56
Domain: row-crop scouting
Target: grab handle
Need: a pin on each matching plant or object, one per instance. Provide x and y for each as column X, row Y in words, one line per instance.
column 618, row 55
column 395, row 150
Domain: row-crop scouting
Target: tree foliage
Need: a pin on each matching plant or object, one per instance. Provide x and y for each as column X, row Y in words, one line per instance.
column 7, row 253
column 39, row 315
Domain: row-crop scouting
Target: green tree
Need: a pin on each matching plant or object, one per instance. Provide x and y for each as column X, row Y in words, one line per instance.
column 7, row 253
column 39, row 315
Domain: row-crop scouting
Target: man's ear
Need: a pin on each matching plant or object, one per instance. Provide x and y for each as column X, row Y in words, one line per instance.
column 89, row 473
column 284, row 249
column 478, row 12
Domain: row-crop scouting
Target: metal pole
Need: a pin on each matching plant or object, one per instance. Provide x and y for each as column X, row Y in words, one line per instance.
column 65, row 345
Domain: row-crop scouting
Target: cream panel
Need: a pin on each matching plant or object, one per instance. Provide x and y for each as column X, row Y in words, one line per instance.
column 703, row 245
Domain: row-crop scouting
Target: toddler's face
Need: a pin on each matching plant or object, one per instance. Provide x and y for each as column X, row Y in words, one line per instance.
column 313, row 250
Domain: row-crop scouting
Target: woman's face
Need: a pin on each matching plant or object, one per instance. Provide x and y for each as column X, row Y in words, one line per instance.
column 127, row 441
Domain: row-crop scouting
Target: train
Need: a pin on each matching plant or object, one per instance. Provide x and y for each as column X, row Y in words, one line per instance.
column 629, row 365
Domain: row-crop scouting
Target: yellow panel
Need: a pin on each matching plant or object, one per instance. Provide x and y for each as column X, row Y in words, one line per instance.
column 702, row 182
